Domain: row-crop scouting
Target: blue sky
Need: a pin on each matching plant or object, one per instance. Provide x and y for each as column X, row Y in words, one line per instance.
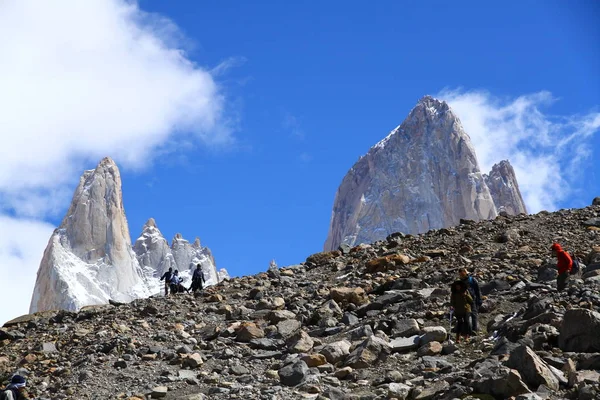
column 236, row 121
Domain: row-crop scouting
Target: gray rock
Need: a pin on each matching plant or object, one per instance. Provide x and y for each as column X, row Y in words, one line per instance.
column 293, row 374
column 406, row 327
column 596, row 201
column 433, row 334
column 288, row 327
column 301, row 342
column 405, row 343
column 398, row 391
column 579, row 331
column 500, row 382
column 350, row 319
column 592, row 222
column 370, row 351
column 159, row 392
column 533, row 369
column 547, row 273
column 336, row 351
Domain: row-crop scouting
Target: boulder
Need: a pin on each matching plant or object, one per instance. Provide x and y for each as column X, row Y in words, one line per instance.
column 293, row 374
column 533, row 369
column 336, row 351
column 405, row 343
column 249, row 331
column 301, row 342
column 406, row 327
column 398, row 391
column 346, row 295
column 579, row 331
column 288, row 327
column 433, row 334
column 430, row 349
column 367, row 353
column 500, row 382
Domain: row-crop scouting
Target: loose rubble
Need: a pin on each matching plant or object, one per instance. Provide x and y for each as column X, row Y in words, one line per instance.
column 368, row 322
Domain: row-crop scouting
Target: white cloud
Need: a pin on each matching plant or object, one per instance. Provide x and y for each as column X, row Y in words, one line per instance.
column 81, row 80
column 535, row 142
column 22, row 244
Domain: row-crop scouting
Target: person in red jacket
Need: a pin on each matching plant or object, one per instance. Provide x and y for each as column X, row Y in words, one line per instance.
column 564, row 266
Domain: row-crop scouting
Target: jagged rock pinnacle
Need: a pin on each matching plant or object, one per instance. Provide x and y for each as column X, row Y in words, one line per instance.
column 424, row 175
column 89, row 259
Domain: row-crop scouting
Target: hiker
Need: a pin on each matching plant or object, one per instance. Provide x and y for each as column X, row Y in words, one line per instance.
column 176, row 286
column 564, row 265
column 473, row 288
column 15, row 390
column 461, row 301
column 167, row 278
column 197, row 279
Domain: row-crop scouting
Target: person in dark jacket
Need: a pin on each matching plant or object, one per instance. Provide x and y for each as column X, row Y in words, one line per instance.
column 197, row 279
column 461, row 302
column 473, row 288
column 16, row 389
column 564, row 265
column 167, row 278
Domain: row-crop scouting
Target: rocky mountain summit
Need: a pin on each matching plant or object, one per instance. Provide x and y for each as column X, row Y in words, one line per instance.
column 424, row 175
column 90, row 260
column 155, row 255
column 363, row 322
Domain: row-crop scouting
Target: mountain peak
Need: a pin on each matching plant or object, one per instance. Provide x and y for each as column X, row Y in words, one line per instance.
column 151, row 223
column 88, row 259
column 424, row 175
column 433, row 105
column 106, row 162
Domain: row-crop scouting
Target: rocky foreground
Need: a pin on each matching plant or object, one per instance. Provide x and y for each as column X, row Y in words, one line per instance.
column 368, row 322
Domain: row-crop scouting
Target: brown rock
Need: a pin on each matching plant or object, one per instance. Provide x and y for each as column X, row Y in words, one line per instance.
column 386, row 263
column 314, row 360
column 249, row 331
column 214, row 298
column 430, row 349
column 345, row 295
column 300, row 343
column 192, row 361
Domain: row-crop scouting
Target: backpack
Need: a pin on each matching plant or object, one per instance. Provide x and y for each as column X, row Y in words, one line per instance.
column 470, row 287
column 7, row 395
column 574, row 266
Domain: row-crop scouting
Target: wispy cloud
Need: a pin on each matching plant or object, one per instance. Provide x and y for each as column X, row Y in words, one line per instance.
column 227, row 65
column 305, row 157
column 538, row 144
column 291, row 125
column 82, row 80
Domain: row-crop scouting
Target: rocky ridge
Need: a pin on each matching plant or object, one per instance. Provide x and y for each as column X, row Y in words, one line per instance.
column 364, row 322
column 424, row 175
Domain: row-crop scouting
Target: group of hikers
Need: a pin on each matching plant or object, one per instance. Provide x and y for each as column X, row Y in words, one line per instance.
column 465, row 297
column 174, row 283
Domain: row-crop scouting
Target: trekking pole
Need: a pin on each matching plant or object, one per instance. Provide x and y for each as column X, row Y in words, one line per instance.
column 450, row 320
